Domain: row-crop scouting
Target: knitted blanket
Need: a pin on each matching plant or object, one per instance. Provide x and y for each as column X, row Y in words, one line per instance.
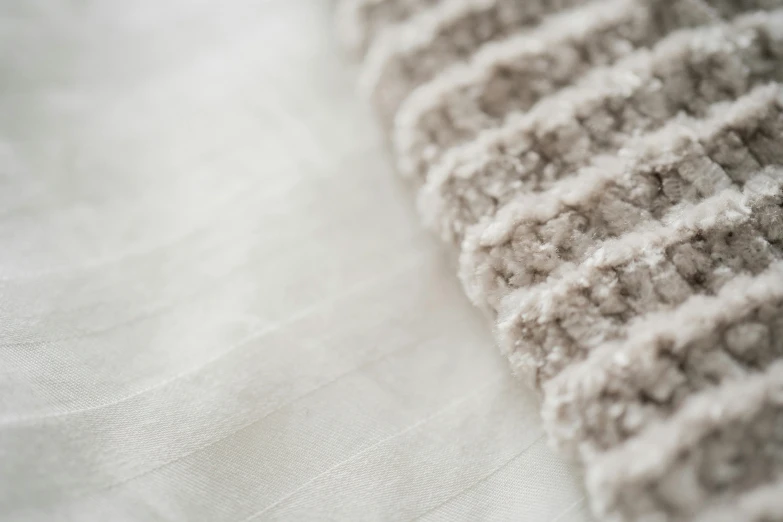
column 612, row 173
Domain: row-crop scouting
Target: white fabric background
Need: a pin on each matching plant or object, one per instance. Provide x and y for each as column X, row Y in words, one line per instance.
column 217, row 303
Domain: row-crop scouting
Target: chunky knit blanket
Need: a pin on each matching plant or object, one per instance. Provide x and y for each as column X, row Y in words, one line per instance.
column 612, row 172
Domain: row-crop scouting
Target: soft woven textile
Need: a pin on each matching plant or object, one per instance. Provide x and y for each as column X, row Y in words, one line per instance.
column 216, row 304
column 611, row 172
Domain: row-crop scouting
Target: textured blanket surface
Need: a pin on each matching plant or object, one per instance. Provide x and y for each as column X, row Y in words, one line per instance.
column 611, row 173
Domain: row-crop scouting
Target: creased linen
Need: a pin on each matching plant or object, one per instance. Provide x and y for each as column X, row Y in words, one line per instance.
column 216, row 304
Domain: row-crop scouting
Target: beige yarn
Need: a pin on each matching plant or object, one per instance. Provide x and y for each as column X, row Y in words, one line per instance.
column 612, row 172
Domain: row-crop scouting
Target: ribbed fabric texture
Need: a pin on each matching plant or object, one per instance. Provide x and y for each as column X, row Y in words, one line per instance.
column 611, row 172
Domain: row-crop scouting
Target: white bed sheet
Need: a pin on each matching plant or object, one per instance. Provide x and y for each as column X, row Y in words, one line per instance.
column 217, row 302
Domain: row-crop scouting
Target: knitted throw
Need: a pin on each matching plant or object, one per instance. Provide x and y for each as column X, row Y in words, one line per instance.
column 612, row 172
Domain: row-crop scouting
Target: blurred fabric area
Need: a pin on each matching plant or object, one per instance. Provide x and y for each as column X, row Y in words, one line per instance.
column 217, row 302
